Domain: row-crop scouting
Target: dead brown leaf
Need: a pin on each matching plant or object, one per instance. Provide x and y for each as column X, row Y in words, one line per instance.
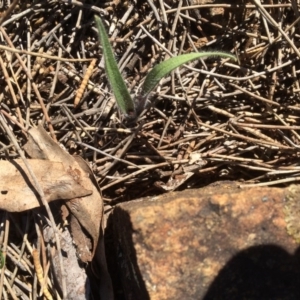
column 17, row 191
column 87, row 210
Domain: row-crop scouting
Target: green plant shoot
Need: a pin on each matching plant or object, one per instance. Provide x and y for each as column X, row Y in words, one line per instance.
column 114, row 76
column 167, row 66
column 2, row 260
column 117, row 83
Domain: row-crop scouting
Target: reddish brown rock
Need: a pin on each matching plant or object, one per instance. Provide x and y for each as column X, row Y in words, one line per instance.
column 219, row 242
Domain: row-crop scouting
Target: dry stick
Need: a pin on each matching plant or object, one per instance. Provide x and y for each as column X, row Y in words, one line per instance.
column 256, row 74
column 220, row 111
column 34, row 293
column 12, row 80
column 88, row 6
column 88, row 112
column 272, row 172
column 131, row 175
column 51, row 252
column 255, row 168
column 91, row 86
column 188, row 138
column 163, row 11
column 54, row 82
column 39, row 247
column 192, row 7
column 57, row 58
column 269, row 173
column 122, row 21
column 284, row 123
column 84, row 82
column 50, row 126
column 122, row 62
column 8, row 11
column 269, row 18
column 108, row 155
column 264, row 176
column 267, row 126
column 42, row 197
column 70, row 115
column 267, row 30
column 4, row 249
column 46, row 36
column 280, row 55
column 15, row 79
column 279, row 181
column 164, row 132
column 254, row 95
column 153, row 7
column 20, row 253
column 73, row 34
column 254, row 132
column 13, row 120
column 5, row 295
column 230, row 158
column 248, row 139
column 64, row 108
column 18, row 16
column 172, row 42
column 275, row 40
column 22, row 262
column 46, row 271
column 28, row 83
column 28, row 246
column 59, row 95
column 11, row 291
column 12, row 92
column 123, row 150
column 12, row 254
column 23, row 285
column 274, row 81
column 288, row 140
column 46, row 264
column 105, row 129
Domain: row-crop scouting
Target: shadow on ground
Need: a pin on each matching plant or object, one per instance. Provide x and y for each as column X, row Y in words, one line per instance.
column 265, row 272
column 122, row 262
column 261, row 272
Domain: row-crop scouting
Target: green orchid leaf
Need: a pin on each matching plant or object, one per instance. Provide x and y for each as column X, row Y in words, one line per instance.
column 114, row 76
column 165, row 67
column 2, row 260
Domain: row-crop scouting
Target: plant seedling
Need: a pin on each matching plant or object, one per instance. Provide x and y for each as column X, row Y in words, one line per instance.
column 2, row 260
column 121, row 93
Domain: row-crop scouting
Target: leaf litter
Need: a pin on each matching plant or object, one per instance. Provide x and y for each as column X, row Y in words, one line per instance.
column 211, row 120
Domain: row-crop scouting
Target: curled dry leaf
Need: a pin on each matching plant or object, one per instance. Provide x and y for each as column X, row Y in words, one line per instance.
column 87, row 210
column 17, row 192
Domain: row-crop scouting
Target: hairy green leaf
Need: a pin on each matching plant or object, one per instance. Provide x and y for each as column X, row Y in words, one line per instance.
column 2, row 260
column 165, row 67
column 114, row 76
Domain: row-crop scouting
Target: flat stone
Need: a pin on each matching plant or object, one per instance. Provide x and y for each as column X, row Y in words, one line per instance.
column 219, row 242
